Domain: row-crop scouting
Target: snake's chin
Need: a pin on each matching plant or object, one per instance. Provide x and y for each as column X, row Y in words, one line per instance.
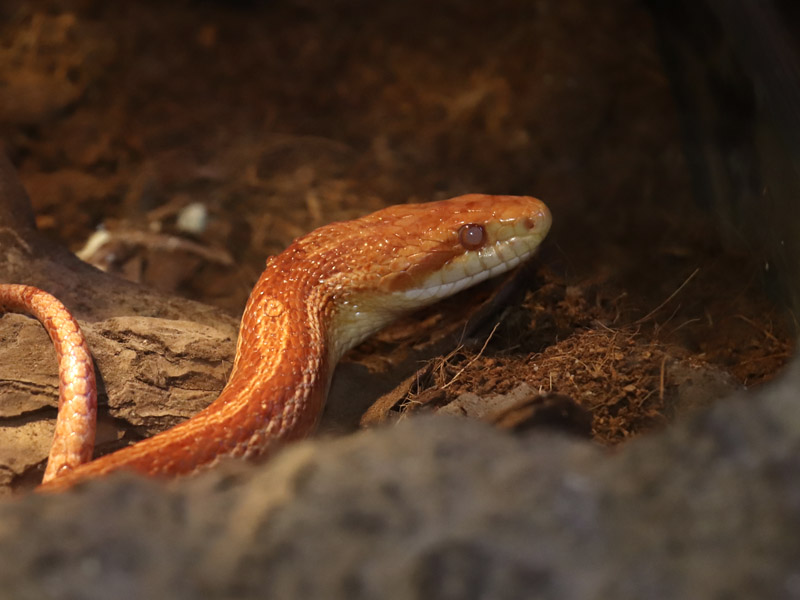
column 436, row 287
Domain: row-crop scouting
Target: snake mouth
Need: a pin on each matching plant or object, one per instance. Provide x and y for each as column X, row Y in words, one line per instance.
column 510, row 243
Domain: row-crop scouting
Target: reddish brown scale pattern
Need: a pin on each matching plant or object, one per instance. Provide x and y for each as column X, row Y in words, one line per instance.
column 73, row 441
column 415, row 239
column 283, row 362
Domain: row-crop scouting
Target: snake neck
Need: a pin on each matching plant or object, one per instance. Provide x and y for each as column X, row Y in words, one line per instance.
column 284, row 361
column 275, row 393
column 280, row 375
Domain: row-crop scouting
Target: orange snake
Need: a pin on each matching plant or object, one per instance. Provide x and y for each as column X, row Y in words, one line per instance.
column 327, row 292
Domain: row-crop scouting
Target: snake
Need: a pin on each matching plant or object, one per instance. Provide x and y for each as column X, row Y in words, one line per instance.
column 325, row 293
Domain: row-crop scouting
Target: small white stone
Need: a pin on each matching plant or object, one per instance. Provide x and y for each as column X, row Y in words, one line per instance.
column 193, row 218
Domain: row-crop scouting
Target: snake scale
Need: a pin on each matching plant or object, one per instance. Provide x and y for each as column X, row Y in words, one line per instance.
column 327, row 292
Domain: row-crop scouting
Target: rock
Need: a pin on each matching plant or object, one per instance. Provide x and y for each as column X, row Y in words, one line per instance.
column 442, row 508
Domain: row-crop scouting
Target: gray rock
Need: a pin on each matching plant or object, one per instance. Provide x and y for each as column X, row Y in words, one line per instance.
column 442, row 508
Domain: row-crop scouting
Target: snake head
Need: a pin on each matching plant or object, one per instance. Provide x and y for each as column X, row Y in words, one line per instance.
column 410, row 255
column 461, row 242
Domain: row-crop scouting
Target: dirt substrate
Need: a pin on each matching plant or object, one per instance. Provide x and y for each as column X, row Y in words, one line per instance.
column 202, row 137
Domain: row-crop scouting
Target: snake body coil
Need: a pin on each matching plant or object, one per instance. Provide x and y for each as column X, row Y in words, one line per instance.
column 324, row 294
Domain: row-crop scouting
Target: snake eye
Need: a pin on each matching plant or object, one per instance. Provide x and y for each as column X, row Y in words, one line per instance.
column 472, row 236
